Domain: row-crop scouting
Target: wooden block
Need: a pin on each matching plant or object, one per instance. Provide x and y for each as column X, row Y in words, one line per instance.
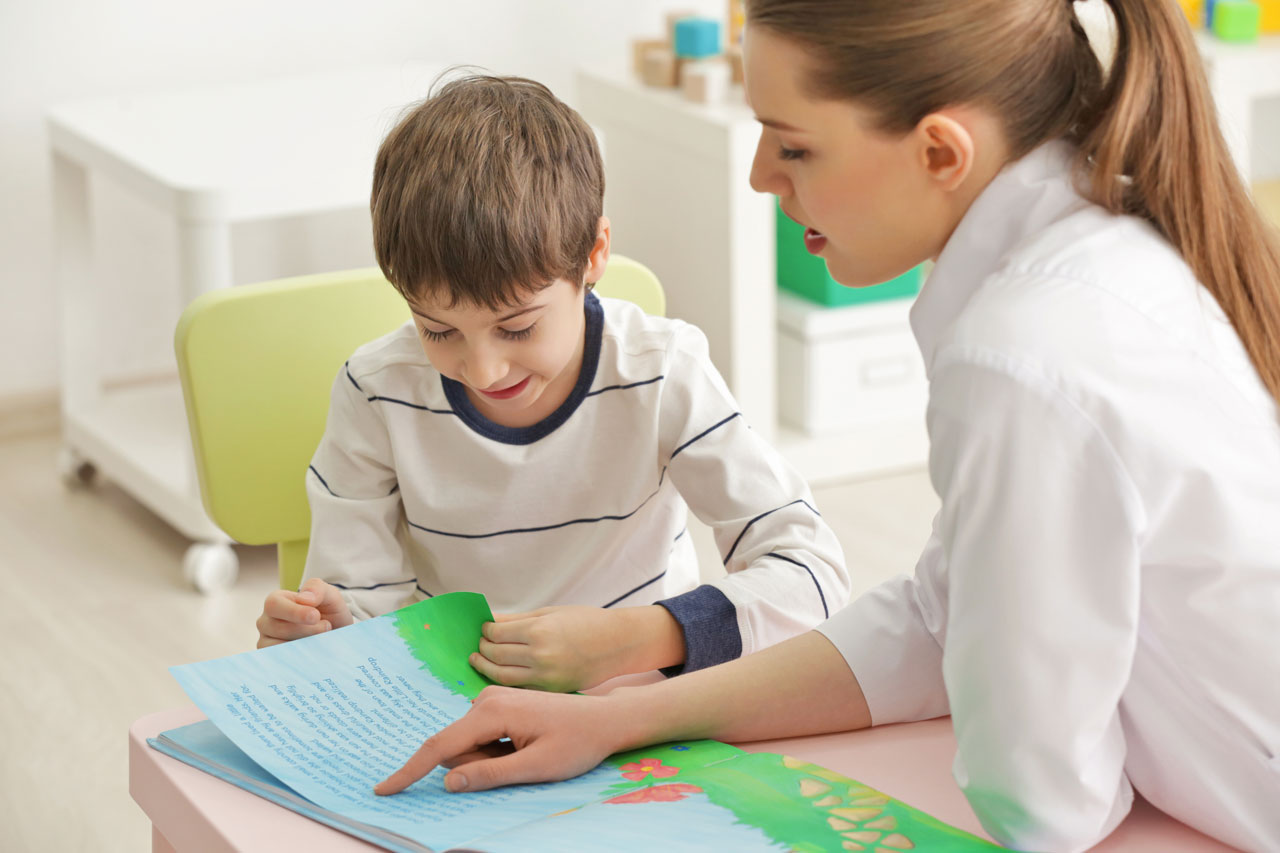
column 672, row 17
column 638, row 48
column 705, row 81
column 1194, row 10
column 1236, row 20
column 1270, row 22
column 659, row 68
column 734, row 57
column 737, row 18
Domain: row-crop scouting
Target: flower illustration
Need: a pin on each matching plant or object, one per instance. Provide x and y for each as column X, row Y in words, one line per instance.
column 637, row 771
column 656, row 794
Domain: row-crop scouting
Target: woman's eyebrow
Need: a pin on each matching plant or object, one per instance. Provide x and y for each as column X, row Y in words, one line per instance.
column 779, row 125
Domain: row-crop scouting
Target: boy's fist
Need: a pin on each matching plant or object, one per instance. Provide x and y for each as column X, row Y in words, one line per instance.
column 314, row 609
column 571, row 647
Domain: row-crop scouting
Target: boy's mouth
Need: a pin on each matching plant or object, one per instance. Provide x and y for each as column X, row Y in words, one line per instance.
column 508, row 392
column 814, row 242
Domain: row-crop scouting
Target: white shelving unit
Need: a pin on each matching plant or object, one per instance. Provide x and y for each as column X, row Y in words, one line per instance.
column 1241, row 76
column 208, row 158
column 677, row 193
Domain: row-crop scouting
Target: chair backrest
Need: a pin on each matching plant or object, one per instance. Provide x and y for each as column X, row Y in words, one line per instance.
column 257, row 363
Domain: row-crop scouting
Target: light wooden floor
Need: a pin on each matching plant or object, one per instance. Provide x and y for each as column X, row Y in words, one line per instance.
column 97, row 612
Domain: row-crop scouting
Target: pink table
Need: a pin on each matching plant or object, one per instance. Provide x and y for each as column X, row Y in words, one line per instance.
column 193, row 811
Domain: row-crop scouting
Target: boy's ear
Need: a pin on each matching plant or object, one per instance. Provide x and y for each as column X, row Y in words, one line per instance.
column 945, row 150
column 599, row 257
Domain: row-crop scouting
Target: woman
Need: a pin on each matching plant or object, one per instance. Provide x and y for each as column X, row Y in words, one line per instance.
column 1097, row 606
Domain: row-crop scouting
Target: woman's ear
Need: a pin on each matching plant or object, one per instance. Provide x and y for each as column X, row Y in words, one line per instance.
column 599, row 257
column 946, row 150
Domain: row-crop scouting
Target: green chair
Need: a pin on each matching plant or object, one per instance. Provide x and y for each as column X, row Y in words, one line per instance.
column 257, row 363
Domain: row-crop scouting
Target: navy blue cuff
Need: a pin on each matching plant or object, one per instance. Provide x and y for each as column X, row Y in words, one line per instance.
column 709, row 622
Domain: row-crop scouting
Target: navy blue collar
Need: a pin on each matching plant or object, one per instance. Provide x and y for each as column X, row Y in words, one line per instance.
column 470, row 415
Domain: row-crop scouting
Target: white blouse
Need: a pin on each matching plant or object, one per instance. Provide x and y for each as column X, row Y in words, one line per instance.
column 1098, row 607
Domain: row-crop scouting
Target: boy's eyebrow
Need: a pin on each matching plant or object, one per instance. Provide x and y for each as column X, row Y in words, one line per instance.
column 503, row 319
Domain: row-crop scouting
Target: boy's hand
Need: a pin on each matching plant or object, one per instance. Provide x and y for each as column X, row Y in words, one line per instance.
column 572, row 648
column 314, row 609
column 552, row 738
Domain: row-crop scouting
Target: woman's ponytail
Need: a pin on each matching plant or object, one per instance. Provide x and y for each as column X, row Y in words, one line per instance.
column 1151, row 146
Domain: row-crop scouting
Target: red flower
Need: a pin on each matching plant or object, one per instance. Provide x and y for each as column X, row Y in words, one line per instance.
column 657, row 794
column 635, row 772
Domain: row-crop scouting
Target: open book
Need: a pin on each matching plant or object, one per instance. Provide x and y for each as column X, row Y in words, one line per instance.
column 313, row 724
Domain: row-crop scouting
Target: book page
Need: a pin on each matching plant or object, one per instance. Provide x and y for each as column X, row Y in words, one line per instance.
column 334, row 714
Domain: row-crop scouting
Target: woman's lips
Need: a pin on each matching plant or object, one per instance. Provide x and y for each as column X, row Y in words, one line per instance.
column 814, row 241
column 508, row 392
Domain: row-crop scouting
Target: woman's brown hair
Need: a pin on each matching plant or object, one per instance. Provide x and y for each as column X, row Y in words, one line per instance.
column 1147, row 133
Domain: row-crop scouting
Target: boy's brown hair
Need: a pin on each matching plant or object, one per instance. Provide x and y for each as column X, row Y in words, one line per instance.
column 488, row 190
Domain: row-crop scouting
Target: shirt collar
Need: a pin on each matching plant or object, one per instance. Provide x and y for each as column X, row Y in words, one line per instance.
column 1025, row 197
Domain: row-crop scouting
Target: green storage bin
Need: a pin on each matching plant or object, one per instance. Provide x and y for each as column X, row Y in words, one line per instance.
column 806, row 275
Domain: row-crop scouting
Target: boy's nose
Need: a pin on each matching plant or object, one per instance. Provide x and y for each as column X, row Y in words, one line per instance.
column 483, row 370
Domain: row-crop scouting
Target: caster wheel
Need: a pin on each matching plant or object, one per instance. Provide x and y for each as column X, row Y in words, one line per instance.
column 76, row 471
column 210, row 567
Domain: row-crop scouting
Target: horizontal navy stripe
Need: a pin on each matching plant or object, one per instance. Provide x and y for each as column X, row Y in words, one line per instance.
column 422, row 408
column 637, row 589
column 423, row 591
column 625, row 387
column 378, row 397
column 313, row 470
column 825, row 613
column 762, row 515
column 376, row 585
column 712, row 428
column 681, row 533
column 537, row 529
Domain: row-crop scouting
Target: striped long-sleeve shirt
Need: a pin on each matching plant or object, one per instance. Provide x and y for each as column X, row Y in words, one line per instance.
column 413, row 493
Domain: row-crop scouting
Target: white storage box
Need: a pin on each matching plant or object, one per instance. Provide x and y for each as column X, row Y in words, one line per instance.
column 848, row 367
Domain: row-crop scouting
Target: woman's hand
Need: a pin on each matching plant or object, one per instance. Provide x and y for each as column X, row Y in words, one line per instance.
column 802, row 686
column 314, row 609
column 570, row 648
column 553, row 737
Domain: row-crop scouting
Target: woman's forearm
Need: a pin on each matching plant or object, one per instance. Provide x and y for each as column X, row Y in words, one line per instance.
column 798, row 687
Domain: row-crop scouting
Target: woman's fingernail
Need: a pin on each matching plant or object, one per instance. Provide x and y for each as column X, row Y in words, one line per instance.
column 455, row 782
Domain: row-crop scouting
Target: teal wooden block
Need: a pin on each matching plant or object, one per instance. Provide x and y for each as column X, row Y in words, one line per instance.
column 697, row 38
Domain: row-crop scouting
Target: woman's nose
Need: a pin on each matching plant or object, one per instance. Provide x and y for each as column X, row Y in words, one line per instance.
column 765, row 175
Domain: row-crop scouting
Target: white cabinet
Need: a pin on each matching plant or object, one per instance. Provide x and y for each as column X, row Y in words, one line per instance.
column 209, row 159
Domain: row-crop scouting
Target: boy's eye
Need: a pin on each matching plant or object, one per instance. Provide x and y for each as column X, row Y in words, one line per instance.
column 791, row 153
column 517, row 334
column 435, row 337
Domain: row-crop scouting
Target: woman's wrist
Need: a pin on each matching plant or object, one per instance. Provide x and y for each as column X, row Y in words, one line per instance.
column 637, row 716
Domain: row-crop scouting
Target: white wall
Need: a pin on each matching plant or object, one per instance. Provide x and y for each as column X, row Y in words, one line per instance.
column 58, row 50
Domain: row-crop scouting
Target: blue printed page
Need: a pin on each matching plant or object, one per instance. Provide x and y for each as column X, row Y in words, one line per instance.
column 334, row 714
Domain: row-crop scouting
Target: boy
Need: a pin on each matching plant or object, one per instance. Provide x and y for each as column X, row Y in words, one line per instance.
column 547, row 448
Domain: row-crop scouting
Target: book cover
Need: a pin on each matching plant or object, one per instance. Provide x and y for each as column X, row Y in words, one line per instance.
column 313, row 724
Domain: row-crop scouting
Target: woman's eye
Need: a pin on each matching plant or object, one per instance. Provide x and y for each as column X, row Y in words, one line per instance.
column 791, row 153
column 518, row 334
column 436, row 337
